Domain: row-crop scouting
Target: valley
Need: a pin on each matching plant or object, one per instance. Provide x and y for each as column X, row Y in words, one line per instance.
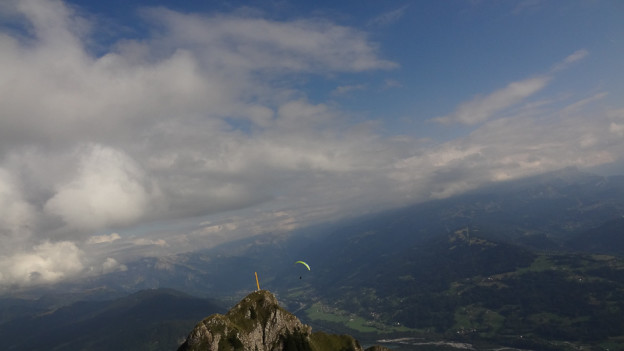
column 505, row 267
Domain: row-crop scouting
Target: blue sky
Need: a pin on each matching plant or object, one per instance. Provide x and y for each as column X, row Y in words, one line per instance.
column 134, row 128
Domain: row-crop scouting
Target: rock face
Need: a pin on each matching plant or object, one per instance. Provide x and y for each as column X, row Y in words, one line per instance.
column 258, row 323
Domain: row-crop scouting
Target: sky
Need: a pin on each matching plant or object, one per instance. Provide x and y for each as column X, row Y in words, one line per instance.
column 133, row 128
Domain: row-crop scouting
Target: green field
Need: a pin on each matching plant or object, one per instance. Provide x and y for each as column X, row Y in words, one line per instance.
column 321, row 312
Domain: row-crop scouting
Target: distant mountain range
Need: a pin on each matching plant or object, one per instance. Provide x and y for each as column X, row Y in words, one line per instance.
column 156, row 319
column 534, row 263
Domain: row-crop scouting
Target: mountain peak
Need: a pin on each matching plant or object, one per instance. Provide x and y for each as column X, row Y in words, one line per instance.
column 258, row 323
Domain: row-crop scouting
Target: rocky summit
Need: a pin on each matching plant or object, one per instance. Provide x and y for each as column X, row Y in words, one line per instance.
column 258, row 323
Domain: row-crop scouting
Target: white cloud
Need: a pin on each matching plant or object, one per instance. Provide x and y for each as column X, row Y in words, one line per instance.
column 344, row 89
column 391, row 83
column 576, row 56
column 513, row 147
column 149, row 242
column 617, row 129
column 156, row 108
column 574, row 107
column 483, row 108
column 45, row 263
column 106, row 190
column 617, row 122
column 568, row 61
column 111, row 265
column 389, row 17
column 101, row 239
column 256, row 43
column 18, row 216
column 213, row 229
column 51, row 262
column 201, row 117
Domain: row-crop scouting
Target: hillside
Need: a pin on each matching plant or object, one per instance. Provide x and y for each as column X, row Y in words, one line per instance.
column 469, row 289
column 607, row 238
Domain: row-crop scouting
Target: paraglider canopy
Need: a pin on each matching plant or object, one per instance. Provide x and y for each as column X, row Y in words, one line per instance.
column 303, row 263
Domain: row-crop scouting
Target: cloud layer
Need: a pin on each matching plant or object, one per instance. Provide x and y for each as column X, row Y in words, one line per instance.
column 209, row 114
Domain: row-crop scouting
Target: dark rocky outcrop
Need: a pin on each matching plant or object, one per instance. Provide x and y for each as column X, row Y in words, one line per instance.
column 258, row 323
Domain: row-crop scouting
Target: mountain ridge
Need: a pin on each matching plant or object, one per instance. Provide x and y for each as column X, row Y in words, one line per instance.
column 147, row 320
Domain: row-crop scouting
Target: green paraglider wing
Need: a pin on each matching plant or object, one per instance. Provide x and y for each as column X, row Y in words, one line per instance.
column 303, row 263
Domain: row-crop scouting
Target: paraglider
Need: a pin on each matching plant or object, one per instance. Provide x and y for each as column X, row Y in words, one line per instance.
column 305, row 264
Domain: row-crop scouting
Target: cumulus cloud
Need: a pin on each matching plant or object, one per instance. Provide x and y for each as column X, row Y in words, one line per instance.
column 181, row 123
column 45, row 263
column 106, row 190
column 199, row 118
column 18, row 216
column 111, row 265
